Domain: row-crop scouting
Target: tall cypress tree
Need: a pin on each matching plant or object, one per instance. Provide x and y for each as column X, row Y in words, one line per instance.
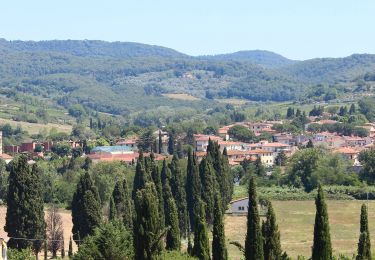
column 112, row 210
column 123, row 203
column 165, row 173
column 193, row 186
column 141, row 175
column 172, row 240
column 179, row 194
column 201, row 248
column 156, row 178
column 207, row 177
column 271, row 236
column 86, row 211
column 25, row 215
column 364, row 243
column 219, row 249
column 160, row 145
column 70, row 250
column 147, row 228
column 171, row 143
column 254, row 240
column 322, row 248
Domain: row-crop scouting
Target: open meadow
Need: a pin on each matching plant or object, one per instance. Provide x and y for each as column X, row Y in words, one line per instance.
column 296, row 224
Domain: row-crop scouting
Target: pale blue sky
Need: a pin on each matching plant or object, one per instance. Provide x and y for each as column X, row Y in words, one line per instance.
column 297, row 29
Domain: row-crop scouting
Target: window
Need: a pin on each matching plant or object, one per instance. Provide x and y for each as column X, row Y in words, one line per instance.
column 241, row 208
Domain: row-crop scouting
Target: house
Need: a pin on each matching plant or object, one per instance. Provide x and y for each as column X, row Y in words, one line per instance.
column 112, row 150
column 260, row 127
column 201, row 141
column 230, row 145
column 348, row 153
column 267, row 157
column 131, row 143
column 355, row 141
column 27, row 147
column 240, row 207
column 129, row 158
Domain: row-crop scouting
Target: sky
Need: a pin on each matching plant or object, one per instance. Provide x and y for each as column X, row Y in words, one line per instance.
column 296, row 29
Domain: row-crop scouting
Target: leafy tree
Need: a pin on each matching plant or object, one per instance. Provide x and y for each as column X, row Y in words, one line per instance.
column 254, row 240
column 364, row 244
column 86, row 211
column 179, row 194
column 201, row 248
column 55, row 231
column 352, row 109
column 25, row 206
column 173, row 241
column 271, row 235
column 241, row 133
column 259, row 168
column 281, row 158
column 322, row 248
column 109, row 241
column 193, row 186
column 147, row 227
column 219, row 249
column 123, row 203
column 367, row 159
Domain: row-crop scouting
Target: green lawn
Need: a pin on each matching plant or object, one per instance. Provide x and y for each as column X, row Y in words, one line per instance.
column 296, row 223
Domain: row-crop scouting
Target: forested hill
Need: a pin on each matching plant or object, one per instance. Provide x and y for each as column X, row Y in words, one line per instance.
column 121, row 77
column 260, row 57
column 88, row 48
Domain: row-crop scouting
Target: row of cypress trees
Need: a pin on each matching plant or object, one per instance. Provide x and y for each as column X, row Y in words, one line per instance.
column 263, row 242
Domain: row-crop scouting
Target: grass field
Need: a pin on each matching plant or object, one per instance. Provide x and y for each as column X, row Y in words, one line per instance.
column 181, row 96
column 32, row 128
column 296, row 224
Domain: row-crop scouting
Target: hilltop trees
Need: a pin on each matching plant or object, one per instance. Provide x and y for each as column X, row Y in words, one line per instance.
column 364, row 244
column 86, row 211
column 25, row 215
column 254, row 240
column 322, row 248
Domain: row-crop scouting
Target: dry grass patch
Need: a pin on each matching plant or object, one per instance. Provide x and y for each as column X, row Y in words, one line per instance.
column 181, row 96
column 36, row 128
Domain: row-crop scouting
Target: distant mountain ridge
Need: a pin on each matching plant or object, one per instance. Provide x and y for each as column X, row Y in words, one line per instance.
column 261, row 57
column 118, row 77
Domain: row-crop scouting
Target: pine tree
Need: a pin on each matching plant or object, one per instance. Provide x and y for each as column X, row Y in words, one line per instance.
column 86, row 211
column 201, row 248
column 193, row 186
column 364, row 243
column 70, row 250
column 25, row 206
column 173, row 241
column 141, row 175
column 207, row 177
column 112, row 210
column 156, row 178
column 219, row 250
column 271, row 236
column 322, row 249
column 147, row 228
column 123, row 203
column 179, row 194
column 254, row 240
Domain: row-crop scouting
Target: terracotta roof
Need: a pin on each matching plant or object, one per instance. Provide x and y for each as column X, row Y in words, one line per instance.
column 346, row 150
column 5, row 156
column 206, row 137
column 276, row 144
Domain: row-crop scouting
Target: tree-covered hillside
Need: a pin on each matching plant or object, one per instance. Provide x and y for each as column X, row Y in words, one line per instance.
column 120, row 77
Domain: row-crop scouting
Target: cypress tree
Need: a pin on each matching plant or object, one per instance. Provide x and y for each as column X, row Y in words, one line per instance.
column 86, row 211
column 228, row 179
column 271, row 236
column 165, row 173
column 112, row 210
column 322, row 249
column 141, row 176
column 25, row 206
column 70, row 250
column 364, row 243
column 207, row 177
column 156, row 178
column 219, row 249
column 179, row 194
column 123, row 203
column 310, row 144
column 193, row 186
column 254, row 240
column 201, row 248
column 147, row 228
column 171, row 143
column 173, row 241
column 160, row 146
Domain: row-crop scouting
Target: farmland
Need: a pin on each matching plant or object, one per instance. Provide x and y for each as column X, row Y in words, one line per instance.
column 296, row 224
